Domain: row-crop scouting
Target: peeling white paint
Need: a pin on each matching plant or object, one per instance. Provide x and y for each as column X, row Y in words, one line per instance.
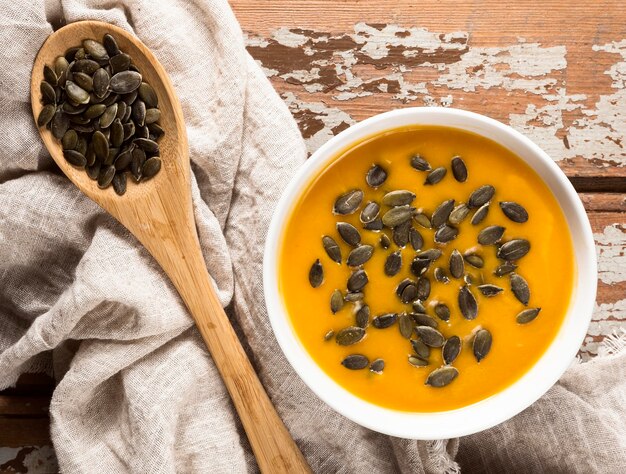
column 611, row 250
column 41, row 459
column 288, row 38
column 607, row 319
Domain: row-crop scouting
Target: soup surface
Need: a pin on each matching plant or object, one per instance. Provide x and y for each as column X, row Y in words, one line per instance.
column 548, row 268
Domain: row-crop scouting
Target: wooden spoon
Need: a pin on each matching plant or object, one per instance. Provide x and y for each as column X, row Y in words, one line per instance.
column 159, row 213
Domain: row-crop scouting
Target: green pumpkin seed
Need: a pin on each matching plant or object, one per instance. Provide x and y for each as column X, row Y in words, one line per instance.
column 59, row 124
column 481, row 344
column 397, row 215
column 93, row 171
column 418, row 307
column 458, row 214
column 405, row 323
column 83, row 80
column 121, row 110
column 336, row 301
column 129, row 131
column 123, row 160
column 110, row 45
column 467, row 303
column 385, row 242
column 79, row 54
column 514, row 211
column 332, row 248
column 384, row 321
column 417, row 361
column 106, row 119
column 459, row 170
column 90, row 155
column 422, row 319
column 95, row 50
column 430, row 254
column 400, row 234
column 446, row 234
column 490, row 235
column 363, row 316
column 423, row 288
column 148, row 95
column 393, row 263
column 370, row 212
column 69, row 140
column 419, row 163
column 329, row 335
column 360, row 255
column 457, row 267
column 376, row 176
column 75, row 158
column 451, row 349
column 435, row 176
column 46, row 114
column 440, row 275
column 430, row 336
column 119, row 183
column 117, row 133
column 86, row 66
column 101, row 80
column 348, row 202
column 100, row 145
column 355, row 362
column 139, row 113
column 94, row 111
column 420, row 265
column 376, row 225
column 61, row 66
column 423, row 220
column 514, row 249
column 480, row 214
column 354, row 296
column 527, row 315
column 408, row 292
column 49, row 75
column 400, row 197
column 349, row 233
column 421, row 349
column 119, row 63
column 474, row 260
column 520, row 288
column 316, row 273
column 76, row 93
column 489, row 290
column 481, row 196
column 125, row 82
column 504, row 269
column 350, row 335
column 151, row 167
column 442, row 311
column 441, row 377
column 377, row 366
column 106, row 176
column 441, row 214
column 417, row 242
column 48, row 94
column 357, row 280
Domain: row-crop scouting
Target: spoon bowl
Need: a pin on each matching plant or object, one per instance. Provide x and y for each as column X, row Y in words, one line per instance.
column 159, row 213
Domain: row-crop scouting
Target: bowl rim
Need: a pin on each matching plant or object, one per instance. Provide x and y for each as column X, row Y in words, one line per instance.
column 500, row 406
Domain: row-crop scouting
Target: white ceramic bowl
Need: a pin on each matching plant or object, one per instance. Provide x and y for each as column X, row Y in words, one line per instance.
column 499, row 407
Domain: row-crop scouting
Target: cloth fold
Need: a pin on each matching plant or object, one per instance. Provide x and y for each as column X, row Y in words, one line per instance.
column 137, row 391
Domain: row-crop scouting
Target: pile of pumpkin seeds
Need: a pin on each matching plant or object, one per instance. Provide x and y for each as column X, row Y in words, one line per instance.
column 396, row 214
column 106, row 117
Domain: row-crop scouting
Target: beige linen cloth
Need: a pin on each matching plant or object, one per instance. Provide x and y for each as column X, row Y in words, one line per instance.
column 137, row 390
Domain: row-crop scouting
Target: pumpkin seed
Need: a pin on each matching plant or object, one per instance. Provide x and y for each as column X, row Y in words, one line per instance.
column 418, row 307
column 422, row 319
column 430, row 254
column 316, row 273
column 106, row 176
column 332, row 248
column 421, row 349
column 520, row 288
column 106, row 119
column 93, row 171
column 329, row 335
column 75, row 158
column 490, row 235
column 442, row 311
column 69, row 140
column 481, row 196
column 435, row 176
column 402, row 285
column 348, row 202
column 440, row 275
column 489, row 290
column 400, row 197
column 405, row 323
column 393, row 263
column 125, row 82
column 423, row 220
column 355, row 362
column 129, row 131
column 95, row 50
column 350, row 335
column 441, row 214
column 384, row 241
column 360, row 255
column 376, row 176
column 363, row 316
column 94, row 111
column 110, row 45
column 376, row 225
column 408, row 293
column 152, row 116
column 384, row 321
column 148, row 95
column 446, row 234
column 397, row 215
column 357, row 280
column 86, row 66
column 480, row 214
column 504, row 269
column 420, row 265
column 417, row 242
column 527, row 315
column 377, row 366
column 430, row 336
column 417, row 361
column 419, row 163
column 458, row 214
column 459, row 170
column 481, row 344
column 400, row 234
column 474, row 260
column 101, row 80
column 451, row 349
column 349, row 233
column 76, row 93
column 467, row 303
column 354, row 296
column 46, row 114
column 336, row 301
column 514, row 249
column 119, row 183
column 370, row 212
column 139, row 113
column 83, row 80
column 514, row 211
column 100, row 145
column 457, row 267
column 49, row 75
column 423, row 288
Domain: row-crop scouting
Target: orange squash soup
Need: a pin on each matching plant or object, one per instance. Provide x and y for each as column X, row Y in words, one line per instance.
column 455, row 282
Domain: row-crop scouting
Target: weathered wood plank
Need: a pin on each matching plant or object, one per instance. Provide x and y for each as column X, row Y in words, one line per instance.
column 28, row 459
column 604, row 202
column 20, row 405
column 24, row 431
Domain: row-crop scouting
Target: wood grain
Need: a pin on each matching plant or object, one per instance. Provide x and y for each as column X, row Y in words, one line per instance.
column 159, row 213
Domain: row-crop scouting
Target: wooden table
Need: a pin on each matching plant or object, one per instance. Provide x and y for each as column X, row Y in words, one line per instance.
column 553, row 71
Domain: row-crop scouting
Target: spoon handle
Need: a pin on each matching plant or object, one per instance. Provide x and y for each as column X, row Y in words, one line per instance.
column 273, row 446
